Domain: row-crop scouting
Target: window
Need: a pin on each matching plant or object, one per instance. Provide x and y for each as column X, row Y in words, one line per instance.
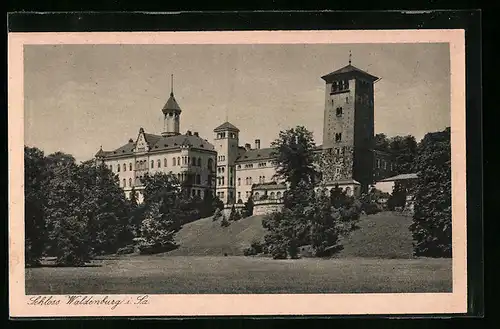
column 377, row 163
column 347, row 100
column 152, row 164
column 384, row 164
column 239, row 195
column 111, row 167
column 173, row 162
column 338, row 137
column 339, row 111
column 222, row 195
column 334, row 86
column 130, row 182
column 179, row 177
column 256, row 197
column 210, row 164
column 193, row 161
column 124, row 167
column 178, row 161
column 118, row 168
column 199, row 162
column 250, row 180
column 165, row 164
column 278, row 195
column 271, row 196
column 130, row 166
column 198, row 179
column 198, row 192
column 337, row 150
column 239, row 181
column 159, row 163
column 247, row 194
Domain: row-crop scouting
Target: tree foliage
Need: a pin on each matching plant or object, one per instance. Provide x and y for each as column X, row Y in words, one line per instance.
column 294, row 151
column 432, row 225
column 404, row 149
column 307, row 217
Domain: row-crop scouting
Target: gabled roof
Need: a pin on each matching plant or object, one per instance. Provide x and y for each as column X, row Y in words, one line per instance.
column 159, row 143
column 226, row 126
column 256, row 155
column 349, row 69
column 171, row 105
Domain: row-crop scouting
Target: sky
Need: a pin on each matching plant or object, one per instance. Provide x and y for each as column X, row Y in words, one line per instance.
column 81, row 97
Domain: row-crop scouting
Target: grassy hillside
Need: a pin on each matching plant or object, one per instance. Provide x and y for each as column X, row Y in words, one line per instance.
column 205, row 237
column 384, row 235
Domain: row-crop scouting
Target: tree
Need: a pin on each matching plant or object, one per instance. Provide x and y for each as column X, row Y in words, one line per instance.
column 248, row 209
column 217, row 214
column 35, row 176
column 397, row 198
column 224, row 222
column 232, row 213
column 66, row 220
column 381, row 142
column 106, row 208
column 405, row 149
column 294, row 151
column 159, row 227
column 432, row 225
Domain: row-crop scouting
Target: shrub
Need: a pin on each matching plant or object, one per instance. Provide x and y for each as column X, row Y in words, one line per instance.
column 224, row 222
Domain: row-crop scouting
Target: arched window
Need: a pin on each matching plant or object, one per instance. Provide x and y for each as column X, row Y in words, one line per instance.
column 124, row 167
column 178, row 161
column 130, row 166
column 130, row 182
column 239, row 181
column 165, row 164
column 193, row 161
column 136, row 165
column 159, row 163
column 118, row 167
column 199, row 162
column 271, row 196
column 250, row 179
column 256, row 196
column 152, row 164
column 348, row 190
column 210, row 164
column 124, row 182
column 179, row 177
column 173, row 162
column 278, row 195
column 198, row 179
column 222, row 180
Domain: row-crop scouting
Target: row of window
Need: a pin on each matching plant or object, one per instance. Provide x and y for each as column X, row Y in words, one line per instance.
column 383, row 164
column 180, row 177
column 221, row 170
column 223, row 135
column 221, row 158
column 141, row 165
column 340, row 85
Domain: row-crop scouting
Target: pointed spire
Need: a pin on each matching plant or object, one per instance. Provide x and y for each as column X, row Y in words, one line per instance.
column 350, row 57
column 171, row 85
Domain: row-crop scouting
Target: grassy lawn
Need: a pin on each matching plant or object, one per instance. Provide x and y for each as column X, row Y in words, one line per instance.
column 233, row 274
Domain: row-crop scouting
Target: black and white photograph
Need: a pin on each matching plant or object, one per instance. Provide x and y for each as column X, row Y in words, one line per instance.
column 236, row 169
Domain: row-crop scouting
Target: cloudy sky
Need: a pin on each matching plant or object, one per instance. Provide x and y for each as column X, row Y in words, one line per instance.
column 79, row 97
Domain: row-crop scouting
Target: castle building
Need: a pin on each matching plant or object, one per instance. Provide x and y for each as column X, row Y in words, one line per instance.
column 236, row 173
column 189, row 157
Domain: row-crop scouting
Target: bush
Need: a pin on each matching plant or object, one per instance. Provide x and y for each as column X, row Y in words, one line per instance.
column 217, row 215
column 125, row 250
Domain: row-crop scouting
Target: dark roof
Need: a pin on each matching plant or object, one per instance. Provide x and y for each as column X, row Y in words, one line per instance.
column 349, row 69
column 400, row 177
column 226, row 126
column 171, row 105
column 101, row 153
column 158, row 143
column 256, row 154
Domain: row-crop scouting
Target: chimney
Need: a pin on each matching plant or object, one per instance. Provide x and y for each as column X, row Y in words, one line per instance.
column 257, row 144
column 196, row 134
column 248, row 147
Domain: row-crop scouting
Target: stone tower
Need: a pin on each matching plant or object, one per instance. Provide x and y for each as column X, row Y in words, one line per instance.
column 226, row 145
column 348, row 128
column 171, row 114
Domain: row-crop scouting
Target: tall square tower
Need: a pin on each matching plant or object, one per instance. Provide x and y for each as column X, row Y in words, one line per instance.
column 348, row 127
